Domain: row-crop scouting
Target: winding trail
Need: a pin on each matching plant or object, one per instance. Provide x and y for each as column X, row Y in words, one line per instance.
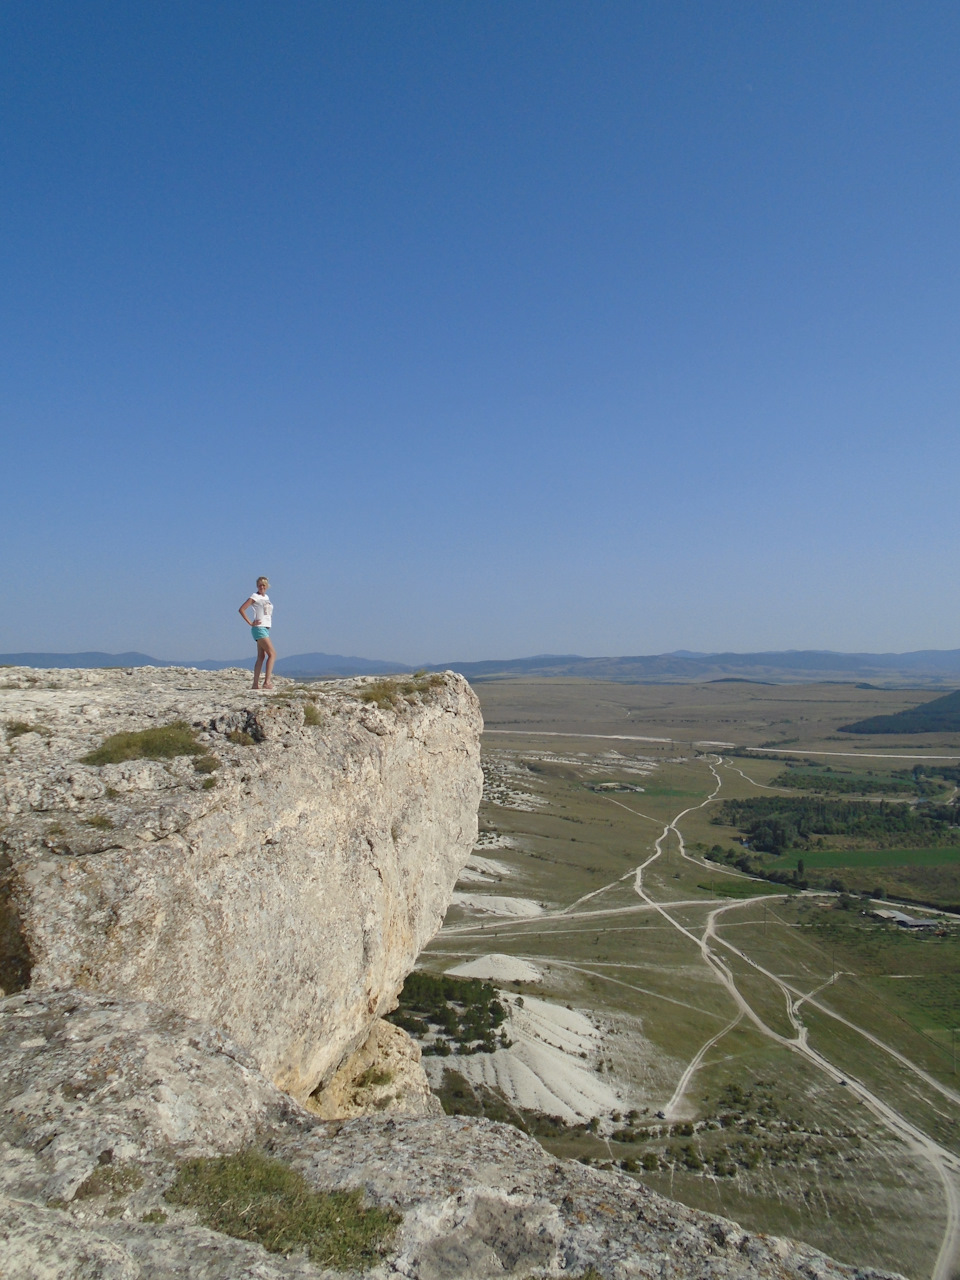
column 855, row 755
column 719, row 956
column 944, row 1162
column 673, row 1106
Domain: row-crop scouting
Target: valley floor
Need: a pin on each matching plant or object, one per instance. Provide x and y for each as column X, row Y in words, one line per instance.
column 746, row 1049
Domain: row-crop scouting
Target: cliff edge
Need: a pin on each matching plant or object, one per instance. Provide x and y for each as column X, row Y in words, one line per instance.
column 275, row 873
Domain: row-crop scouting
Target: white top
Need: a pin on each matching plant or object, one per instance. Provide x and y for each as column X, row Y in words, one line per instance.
column 262, row 610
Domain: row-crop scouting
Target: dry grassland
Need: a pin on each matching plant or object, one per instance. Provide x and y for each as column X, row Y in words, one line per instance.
column 702, row 999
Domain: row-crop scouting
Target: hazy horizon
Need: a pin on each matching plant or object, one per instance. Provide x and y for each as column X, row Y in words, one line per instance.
column 187, row 659
column 481, row 328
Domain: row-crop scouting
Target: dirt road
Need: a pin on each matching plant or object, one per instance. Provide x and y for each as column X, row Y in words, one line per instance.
column 944, row 1162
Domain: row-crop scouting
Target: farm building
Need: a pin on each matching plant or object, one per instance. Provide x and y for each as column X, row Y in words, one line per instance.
column 905, row 922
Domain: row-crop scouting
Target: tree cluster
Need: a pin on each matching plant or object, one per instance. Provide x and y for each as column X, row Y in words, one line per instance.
column 776, row 824
column 458, row 1014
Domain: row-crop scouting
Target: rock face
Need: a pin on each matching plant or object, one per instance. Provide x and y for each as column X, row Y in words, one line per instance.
column 89, row 1082
column 283, row 896
column 383, row 1075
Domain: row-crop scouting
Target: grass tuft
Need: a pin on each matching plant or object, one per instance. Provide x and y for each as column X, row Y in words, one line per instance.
column 206, row 764
column 240, row 739
column 393, row 691
column 374, row 1077
column 162, row 743
column 311, row 715
column 253, row 1197
column 16, row 728
column 100, row 821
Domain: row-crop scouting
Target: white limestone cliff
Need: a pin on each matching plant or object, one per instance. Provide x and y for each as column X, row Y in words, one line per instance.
column 282, row 897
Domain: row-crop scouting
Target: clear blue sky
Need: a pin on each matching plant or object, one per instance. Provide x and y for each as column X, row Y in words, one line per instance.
column 483, row 328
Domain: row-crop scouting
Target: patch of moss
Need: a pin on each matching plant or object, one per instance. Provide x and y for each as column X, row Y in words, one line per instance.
column 374, row 1077
column 253, row 1197
column 110, row 1179
column 16, row 728
column 165, row 742
column 591, row 1273
column 154, row 1215
column 100, row 821
column 208, row 784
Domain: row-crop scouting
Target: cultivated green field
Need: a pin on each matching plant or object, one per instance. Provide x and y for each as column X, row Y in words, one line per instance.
column 772, row 1055
column 816, row 858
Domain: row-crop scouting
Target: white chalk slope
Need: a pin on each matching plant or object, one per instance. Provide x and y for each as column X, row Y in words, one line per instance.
column 550, row 1067
column 498, row 968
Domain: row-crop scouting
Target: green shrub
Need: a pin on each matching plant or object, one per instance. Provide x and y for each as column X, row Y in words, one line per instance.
column 240, row 739
column 162, row 743
column 465, row 1012
column 253, row 1197
column 206, row 764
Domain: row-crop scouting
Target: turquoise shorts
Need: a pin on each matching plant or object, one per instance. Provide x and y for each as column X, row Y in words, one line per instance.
column 260, row 633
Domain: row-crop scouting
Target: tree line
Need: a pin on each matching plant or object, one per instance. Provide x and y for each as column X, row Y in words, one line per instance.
column 776, row 824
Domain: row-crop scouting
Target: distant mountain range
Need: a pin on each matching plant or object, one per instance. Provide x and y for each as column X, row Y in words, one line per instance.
column 931, row 667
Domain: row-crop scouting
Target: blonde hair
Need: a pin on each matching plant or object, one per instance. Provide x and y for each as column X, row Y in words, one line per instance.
column 265, row 581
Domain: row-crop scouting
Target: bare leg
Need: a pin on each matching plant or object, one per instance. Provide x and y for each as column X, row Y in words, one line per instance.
column 257, row 665
column 266, row 649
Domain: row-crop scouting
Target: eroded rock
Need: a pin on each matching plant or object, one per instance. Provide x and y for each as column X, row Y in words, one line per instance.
column 282, row 897
column 384, row 1074
column 83, row 1075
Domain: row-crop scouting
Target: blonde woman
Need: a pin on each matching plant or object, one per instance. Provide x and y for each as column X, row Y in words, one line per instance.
column 260, row 629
